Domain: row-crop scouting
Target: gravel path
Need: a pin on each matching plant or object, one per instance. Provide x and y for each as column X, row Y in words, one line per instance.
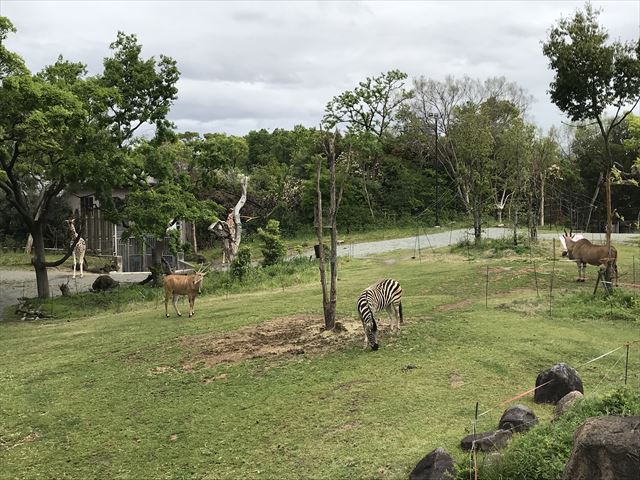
column 19, row 283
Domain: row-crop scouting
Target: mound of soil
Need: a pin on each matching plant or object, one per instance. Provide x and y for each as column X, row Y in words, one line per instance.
column 280, row 337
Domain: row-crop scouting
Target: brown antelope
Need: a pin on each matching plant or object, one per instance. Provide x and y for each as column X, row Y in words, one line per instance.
column 578, row 248
column 190, row 285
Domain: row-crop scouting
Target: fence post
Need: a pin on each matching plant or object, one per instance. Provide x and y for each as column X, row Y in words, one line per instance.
column 553, row 272
column 535, row 276
column 486, row 290
column 626, row 365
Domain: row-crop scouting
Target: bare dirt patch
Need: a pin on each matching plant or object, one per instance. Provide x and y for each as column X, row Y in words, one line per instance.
column 280, row 337
column 453, row 306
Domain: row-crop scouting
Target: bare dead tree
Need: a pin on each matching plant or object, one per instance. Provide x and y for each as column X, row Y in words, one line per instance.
column 329, row 296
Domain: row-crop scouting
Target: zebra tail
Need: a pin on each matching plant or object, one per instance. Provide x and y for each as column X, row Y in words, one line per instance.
column 400, row 311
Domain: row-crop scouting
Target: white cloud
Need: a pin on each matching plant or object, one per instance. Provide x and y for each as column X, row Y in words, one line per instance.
column 248, row 65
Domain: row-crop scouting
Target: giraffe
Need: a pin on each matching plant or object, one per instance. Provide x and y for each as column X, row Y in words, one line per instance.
column 80, row 248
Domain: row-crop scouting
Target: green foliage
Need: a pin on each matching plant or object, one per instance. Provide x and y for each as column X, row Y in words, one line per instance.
column 542, row 452
column 498, row 247
column 274, row 250
column 241, row 265
column 590, row 74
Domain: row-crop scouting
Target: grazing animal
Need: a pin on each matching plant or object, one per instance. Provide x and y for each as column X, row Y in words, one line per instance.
column 189, row 285
column 79, row 250
column 386, row 294
column 578, row 248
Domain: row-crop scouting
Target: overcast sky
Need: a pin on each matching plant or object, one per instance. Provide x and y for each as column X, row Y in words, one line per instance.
column 252, row 65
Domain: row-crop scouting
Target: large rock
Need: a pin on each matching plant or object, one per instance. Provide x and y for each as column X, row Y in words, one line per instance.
column 566, row 402
column 104, row 283
column 562, row 379
column 486, row 441
column 436, row 465
column 605, row 448
column 517, row 418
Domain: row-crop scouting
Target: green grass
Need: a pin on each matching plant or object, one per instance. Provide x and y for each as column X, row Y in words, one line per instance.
column 83, row 395
column 22, row 261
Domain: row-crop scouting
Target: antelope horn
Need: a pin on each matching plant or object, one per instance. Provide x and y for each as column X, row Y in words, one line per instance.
column 565, row 233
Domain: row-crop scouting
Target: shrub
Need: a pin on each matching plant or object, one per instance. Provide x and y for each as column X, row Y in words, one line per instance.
column 241, row 265
column 274, row 249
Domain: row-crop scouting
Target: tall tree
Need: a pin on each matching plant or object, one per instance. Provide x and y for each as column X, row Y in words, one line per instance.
column 486, row 107
column 471, row 144
column 591, row 76
column 368, row 112
column 61, row 129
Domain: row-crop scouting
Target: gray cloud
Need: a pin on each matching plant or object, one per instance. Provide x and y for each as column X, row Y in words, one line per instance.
column 248, row 65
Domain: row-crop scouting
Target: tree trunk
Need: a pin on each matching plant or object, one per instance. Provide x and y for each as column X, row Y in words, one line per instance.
column 29, row 245
column 320, row 235
column 193, row 234
column 499, row 215
column 542, row 200
column 330, row 318
column 39, row 262
column 235, row 242
column 593, row 201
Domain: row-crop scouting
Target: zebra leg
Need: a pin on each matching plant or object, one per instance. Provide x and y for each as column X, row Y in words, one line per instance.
column 397, row 315
column 389, row 310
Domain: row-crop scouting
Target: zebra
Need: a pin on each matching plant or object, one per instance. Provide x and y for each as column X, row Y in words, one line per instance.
column 383, row 295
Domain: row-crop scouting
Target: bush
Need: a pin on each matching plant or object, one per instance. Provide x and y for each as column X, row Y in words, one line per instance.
column 542, row 452
column 274, row 249
column 241, row 265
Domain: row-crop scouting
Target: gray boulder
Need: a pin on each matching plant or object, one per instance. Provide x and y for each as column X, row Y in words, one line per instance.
column 566, row 402
column 605, row 448
column 487, row 441
column 104, row 283
column 561, row 379
column 436, row 465
column 517, row 418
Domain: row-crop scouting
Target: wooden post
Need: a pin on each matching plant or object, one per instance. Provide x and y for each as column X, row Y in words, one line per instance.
column 626, row 365
column 486, row 294
column 535, row 276
column 597, row 281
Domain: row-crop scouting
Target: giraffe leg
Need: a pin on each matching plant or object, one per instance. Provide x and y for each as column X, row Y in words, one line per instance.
column 74, row 264
column 81, row 266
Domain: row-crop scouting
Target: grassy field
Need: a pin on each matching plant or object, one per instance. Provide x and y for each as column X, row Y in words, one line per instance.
column 250, row 387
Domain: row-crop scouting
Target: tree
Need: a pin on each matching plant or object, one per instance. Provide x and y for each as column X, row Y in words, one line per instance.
column 469, row 114
column 167, row 187
column 330, row 296
column 60, row 129
column 274, row 250
column 471, row 140
column 592, row 75
column 368, row 112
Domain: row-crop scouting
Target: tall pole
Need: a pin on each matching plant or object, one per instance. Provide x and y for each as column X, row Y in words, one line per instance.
column 435, row 127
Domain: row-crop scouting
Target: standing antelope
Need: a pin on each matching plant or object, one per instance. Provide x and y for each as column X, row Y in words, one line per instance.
column 386, row 294
column 79, row 249
column 190, row 285
column 578, row 248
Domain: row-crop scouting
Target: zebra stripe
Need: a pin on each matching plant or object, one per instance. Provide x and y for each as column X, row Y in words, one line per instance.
column 386, row 294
